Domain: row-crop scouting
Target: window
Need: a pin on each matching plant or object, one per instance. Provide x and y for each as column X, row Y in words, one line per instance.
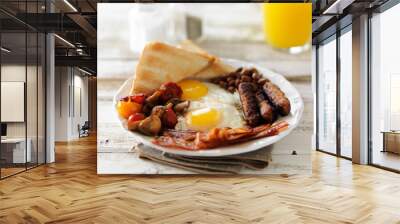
column 327, row 97
column 334, row 106
column 22, row 66
column 385, row 89
column 14, row 155
column 346, row 93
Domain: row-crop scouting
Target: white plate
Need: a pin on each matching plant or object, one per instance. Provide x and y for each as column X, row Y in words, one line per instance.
column 293, row 118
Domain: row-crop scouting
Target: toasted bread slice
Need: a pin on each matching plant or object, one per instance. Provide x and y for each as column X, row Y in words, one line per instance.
column 160, row 63
column 216, row 69
column 190, row 46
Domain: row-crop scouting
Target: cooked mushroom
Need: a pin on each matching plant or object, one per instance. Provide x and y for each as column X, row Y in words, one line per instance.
column 158, row 110
column 147, row 107
column 169, row 105
column 150, row 125
column 174, row 101
column 134, row 126
column 153, row 98
column 181, row 107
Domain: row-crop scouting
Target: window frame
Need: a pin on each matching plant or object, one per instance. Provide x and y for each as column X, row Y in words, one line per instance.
column 29, row 29
column 334, row 37
column 340, row 31
column 381, row 9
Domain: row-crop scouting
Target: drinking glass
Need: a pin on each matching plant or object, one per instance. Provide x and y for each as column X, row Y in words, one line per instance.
column 288, row 25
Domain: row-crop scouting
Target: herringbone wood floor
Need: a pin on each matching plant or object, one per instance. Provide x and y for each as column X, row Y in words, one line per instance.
column 69, row 191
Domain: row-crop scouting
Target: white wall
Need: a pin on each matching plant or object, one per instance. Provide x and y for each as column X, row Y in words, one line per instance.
column 12, row 73
column 62, row 81
column 33, row 127
column 70, row 83
column 80, row 103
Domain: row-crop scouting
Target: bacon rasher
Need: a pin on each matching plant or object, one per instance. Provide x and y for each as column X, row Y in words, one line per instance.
column 216, row 137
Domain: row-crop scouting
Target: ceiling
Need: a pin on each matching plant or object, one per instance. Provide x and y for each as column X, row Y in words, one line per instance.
column 329, row 16
column 74, row 22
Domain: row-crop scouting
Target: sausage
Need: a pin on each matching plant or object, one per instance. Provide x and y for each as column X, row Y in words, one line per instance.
column 277, row 98
column 249, row 104
column 266, row 109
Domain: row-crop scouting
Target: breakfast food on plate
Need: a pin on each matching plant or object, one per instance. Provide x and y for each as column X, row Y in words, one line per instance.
column 215, row 69
column 249, row 103
column 231, row 80
column 216, row 137
column 189, row 99
column 277, row 98
column 160, row 63
column 251, row 85
column 266, row 110
column 155, row 111
column 190, row 46
column 210, row 106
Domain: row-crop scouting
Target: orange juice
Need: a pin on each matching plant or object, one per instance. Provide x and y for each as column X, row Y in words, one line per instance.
column 287, row 24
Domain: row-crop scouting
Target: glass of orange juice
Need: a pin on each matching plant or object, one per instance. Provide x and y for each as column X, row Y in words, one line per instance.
column 288, row 25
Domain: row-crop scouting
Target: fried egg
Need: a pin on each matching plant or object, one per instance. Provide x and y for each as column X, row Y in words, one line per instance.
column 193, row 89
column 210, row 106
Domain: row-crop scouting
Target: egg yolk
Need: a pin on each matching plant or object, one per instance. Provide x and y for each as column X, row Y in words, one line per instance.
column 192, row 89
column 203, row 119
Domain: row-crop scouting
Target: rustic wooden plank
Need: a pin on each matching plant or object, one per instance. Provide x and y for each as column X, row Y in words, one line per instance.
column 129, row 163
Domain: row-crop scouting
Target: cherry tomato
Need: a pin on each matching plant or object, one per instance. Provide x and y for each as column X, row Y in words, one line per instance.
column 138, row 98
column 134, row 120
column 127, row 108
column 136, row 117
column 170, row 90
column 169, row 118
